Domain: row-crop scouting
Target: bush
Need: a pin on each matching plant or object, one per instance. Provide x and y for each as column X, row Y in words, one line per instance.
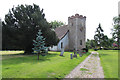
column 116, row 49
column 106, row 48
column 95, row 49
column 86, row 49
column 100, row 48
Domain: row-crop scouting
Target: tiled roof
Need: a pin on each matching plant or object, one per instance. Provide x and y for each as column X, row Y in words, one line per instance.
column 61, row 31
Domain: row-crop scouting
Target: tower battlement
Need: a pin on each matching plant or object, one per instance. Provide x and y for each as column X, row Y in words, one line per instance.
column 76, row 16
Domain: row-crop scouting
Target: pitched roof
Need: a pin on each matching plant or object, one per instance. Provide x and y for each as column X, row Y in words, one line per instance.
column 61, row 31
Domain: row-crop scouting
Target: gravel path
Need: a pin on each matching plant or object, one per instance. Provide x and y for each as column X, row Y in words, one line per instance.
column 89, row 68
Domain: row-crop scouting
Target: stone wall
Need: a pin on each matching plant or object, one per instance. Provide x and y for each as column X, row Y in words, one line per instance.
column 77, row 31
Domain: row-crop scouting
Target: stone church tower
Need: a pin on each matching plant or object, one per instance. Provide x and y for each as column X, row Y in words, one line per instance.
column 77, row 32
column 71, row 36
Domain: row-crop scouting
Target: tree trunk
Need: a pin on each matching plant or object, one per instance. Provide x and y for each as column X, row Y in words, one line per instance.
column 38, row 56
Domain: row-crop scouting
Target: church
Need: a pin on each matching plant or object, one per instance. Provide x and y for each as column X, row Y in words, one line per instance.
column 71, row 36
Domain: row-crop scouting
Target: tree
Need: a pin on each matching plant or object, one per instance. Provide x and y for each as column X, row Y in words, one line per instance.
column 107, row 42
column 21, row 26
column 111, row 41
column 54, row 24
column 116, row 29
column 90, row 43
column 99, row 35
column 39, row 44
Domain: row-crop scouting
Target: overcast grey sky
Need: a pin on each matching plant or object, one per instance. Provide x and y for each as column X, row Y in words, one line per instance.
column 96, row 11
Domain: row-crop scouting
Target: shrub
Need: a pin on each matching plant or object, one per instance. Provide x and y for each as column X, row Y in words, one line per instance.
column 106, row 48
column 95, row 49
column 100, row 48
column 86, row 49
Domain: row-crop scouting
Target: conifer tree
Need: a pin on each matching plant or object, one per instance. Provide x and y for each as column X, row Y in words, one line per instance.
column 99, row 36
column 39, row 44
column 21, row 25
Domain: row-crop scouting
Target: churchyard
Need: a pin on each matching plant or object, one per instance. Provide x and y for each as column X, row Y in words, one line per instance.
column 28, row 30
column 27, row 66
column 17, row 65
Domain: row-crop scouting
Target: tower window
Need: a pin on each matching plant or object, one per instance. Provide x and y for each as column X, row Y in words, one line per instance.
column 80, row 42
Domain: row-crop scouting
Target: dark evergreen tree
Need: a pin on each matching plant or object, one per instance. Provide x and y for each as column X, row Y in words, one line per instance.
column 99, row 36
column 21, row 26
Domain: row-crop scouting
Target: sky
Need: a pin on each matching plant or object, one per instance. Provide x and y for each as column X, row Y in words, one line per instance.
column 96, row 11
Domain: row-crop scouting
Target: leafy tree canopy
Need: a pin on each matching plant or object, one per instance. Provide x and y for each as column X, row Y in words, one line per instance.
column 54, row 24
column 90, row 44
column 116, row 29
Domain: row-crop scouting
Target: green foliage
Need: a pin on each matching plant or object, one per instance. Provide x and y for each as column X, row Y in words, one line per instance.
column 107, row 42
column 21, row 26
column 55, row 24
column 90, row 44
column 39, row 43
column 116, row 29
column 99, row 35
column 50, row 66
column 101, row 39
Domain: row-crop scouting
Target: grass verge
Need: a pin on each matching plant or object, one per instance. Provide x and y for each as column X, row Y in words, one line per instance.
column 109, row 62
column 50, row 66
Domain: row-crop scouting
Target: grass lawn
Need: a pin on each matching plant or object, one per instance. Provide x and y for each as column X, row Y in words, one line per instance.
column 109, row 62
column 10, row 52
column 50, row 66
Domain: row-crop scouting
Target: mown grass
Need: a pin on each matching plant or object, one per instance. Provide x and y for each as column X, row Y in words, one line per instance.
column 50, row 66
column 91, row 50
column 109, row 62
column 10, row 52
